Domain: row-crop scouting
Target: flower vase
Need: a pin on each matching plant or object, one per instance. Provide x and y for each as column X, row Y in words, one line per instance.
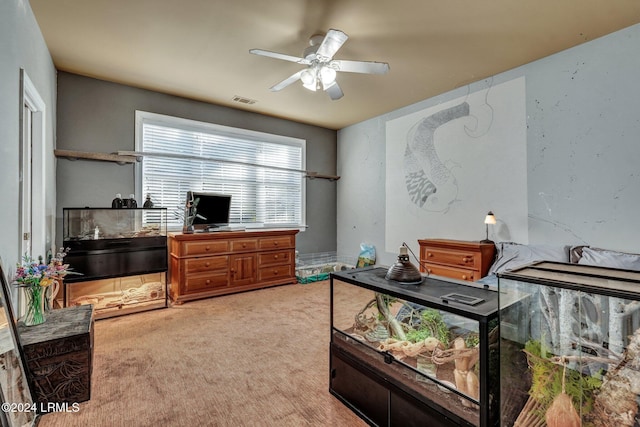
column 35, row 305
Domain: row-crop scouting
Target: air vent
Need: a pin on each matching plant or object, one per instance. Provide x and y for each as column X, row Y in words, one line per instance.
column 244, row 100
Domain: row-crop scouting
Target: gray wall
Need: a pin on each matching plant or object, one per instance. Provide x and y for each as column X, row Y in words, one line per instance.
column 582, row 155
column 22, row 46
column 98, row 116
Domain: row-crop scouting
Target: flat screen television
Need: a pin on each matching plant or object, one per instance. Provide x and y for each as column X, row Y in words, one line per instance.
column 211, row 210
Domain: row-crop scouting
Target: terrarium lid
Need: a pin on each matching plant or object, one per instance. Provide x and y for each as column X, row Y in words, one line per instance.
column 611, row 281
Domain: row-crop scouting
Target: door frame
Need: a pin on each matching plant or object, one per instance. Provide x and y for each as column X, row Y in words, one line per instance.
column 32, row 173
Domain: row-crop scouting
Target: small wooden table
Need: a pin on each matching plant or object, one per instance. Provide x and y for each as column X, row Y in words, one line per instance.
column 59, row 355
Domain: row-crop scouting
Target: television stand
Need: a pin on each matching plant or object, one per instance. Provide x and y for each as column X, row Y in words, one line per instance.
column 223, row 262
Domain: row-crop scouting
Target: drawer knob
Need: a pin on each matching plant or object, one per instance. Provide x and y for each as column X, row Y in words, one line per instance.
column 275, row 243
column 429, row 270
column 464, row 277
column 467, row 259
column 244, row 245
column 208, row 281
column 207, row 264
column 275, row 257
column 275, row 272
column 429, row 254
column 206, row 248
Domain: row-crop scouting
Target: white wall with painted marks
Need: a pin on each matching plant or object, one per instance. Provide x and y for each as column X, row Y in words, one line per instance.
column 448, row 164
column 559, row 163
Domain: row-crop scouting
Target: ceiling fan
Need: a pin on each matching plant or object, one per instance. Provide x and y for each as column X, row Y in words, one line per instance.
column 321, row 67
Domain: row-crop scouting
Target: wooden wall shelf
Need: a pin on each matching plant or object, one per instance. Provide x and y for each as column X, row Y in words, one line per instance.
column 103, row 157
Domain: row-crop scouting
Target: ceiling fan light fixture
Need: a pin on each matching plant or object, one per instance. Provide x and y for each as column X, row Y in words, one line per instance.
column 308, row 78
column 327, row 76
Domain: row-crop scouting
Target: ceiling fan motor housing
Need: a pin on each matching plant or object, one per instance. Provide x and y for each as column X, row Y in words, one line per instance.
column 310, row 53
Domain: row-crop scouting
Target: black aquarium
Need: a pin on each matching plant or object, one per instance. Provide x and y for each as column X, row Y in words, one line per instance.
column 414, row 354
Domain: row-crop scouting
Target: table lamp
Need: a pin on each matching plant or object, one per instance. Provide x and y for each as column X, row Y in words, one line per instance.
column 489, row 219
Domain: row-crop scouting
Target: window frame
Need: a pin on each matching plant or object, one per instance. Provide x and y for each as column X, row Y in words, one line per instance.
column 145, row 117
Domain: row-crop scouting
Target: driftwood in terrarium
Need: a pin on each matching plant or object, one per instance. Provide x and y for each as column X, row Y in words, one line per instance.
column 464, row 359
column 383, row 308
column 369, row 327
column 550, row 313
column 403, row 348
column 146, row 292
column 615, row 403
column 471, row 354
column 619, row 308
column 568, row 304
column 364, row 322
column 465, row 378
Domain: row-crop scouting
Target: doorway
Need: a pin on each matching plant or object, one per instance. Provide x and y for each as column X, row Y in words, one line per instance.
column 32, row 212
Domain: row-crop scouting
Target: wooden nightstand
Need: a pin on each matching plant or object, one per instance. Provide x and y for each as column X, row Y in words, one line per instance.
column 457, row 259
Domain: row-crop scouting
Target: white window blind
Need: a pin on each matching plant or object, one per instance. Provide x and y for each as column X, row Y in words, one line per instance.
column 262, row 172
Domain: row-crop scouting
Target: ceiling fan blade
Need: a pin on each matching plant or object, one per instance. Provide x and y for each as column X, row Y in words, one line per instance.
column 330, row 45
column 334, row 91
column 282, row 56
column 365, row 67
column 286, row 82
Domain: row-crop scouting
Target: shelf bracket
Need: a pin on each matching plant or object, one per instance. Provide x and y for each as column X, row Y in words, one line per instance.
column 102, row 157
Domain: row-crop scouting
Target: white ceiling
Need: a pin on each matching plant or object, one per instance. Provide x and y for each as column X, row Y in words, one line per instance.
column 199, row 49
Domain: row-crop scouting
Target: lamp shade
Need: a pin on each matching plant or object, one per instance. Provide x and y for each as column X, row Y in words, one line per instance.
column 490, row 218
column 308, row 77
column 403, row 271
column 327, row 75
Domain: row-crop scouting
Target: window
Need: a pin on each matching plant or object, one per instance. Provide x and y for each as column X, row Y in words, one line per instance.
column 263, row 173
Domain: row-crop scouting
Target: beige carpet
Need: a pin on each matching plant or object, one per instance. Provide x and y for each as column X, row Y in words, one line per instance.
column 258, row 358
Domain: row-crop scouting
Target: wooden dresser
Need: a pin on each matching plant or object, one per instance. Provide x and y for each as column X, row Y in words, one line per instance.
column 217, row 263
column 457, row 259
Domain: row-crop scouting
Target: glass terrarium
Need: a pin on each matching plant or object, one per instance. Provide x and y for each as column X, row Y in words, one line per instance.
column 433, row 344
column 121, row 258
column 119, row 295
column 106, row 223
column 570, row 335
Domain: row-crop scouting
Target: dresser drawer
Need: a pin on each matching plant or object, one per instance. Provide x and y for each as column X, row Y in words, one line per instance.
column 450, row 257
column 274, row 258
column 205, row 248
column 277, row 242
column 241, row 245
column 205, row 282
column 275, row 272
column 195, row 265
column 454, row 273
